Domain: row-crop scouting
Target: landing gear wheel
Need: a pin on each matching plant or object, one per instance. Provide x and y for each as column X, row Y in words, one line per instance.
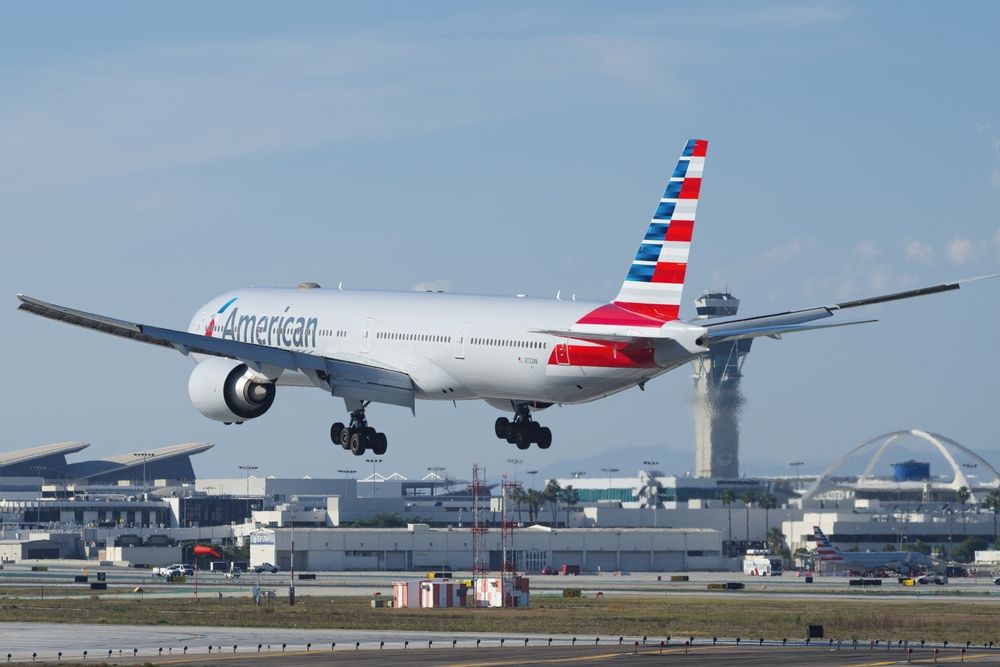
column 358, row 444
column 521, row 438
column 345, row 438
column 335, row 432
column 522, row 430
column 379, row 444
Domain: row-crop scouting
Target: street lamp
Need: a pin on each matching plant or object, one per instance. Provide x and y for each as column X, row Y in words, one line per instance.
column 515, row 463
column 577, row 474
column 610, row 471
column 346, row 473
column 373, row 461
column 532, row 473
column 246, row 469
column 650, row 463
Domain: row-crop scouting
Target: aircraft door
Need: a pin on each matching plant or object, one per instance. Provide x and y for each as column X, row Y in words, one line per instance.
column 463, row 330
column 366, row 332
column 562, row 352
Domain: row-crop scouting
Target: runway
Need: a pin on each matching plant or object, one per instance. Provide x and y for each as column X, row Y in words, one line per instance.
column 191, row 646
column 122, row 581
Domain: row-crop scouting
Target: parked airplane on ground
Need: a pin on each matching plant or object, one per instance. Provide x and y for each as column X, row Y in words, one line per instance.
column 903, row 562
column 517, row 354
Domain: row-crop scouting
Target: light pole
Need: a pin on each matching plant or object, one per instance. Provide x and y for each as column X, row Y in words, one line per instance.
column 610, row 471
column 373, row 461
column 532, row 473
column 515, row 463
column 346, row 473
column 143, row 456
column 246, row 469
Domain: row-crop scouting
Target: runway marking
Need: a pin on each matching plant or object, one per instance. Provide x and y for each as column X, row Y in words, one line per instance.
column 494, row 663
column 930, row 660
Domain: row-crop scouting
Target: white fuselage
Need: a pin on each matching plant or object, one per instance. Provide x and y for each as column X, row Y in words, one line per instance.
column 453, row 346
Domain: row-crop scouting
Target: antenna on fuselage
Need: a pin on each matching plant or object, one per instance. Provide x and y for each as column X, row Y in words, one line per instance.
column 340, row 286
column 558, row 295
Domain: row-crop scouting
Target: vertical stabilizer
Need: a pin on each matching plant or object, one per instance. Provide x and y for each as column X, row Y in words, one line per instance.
column 824, row 548
column 655, row 280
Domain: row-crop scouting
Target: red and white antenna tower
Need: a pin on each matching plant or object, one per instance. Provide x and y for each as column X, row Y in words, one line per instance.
column 480, row 561
column 508, row 562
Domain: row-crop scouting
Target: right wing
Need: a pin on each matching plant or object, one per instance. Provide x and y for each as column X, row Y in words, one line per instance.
column 347, row 379
column 796, row 320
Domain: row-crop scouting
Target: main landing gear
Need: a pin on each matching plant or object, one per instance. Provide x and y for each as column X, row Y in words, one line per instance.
column 523, row 430
column 359, row 436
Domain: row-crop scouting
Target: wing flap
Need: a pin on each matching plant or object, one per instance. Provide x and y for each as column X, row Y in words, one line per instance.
column 775, row 331
column 347, row 379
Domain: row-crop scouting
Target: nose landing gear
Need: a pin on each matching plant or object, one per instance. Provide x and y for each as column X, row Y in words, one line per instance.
column 523, row 430
column 359, row 437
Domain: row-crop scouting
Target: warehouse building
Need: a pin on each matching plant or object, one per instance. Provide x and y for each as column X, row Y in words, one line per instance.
column 420, row 547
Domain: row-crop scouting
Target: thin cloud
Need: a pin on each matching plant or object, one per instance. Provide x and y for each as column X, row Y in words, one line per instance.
column 960, row 251
column 915, row 251
column 784, row 252
column 167, row 108
column 867, row 249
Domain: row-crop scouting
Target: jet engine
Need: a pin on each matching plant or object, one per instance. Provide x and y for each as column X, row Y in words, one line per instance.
column 227, row 391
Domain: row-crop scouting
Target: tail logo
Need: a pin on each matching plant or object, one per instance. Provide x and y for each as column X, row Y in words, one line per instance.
column 651, row 292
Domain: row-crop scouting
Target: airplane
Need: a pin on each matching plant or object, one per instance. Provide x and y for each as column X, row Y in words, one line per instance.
column 903, row 562
column 518, row 354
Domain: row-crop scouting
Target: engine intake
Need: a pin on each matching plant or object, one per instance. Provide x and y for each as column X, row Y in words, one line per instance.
column 226, row 390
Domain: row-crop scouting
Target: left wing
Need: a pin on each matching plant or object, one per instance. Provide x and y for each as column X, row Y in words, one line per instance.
column 347, row 379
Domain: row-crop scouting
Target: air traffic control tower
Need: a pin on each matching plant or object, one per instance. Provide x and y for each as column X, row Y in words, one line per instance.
column 717, row 397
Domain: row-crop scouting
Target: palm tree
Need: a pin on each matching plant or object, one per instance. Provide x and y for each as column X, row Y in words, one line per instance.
column 962, row 496
column 775, row 540
column 551, row 493
column 518, row 495
column 535, row 498
column 727, row 499
column 767, row 502
column 569, row 497
column 992, row 502
column 748, row 499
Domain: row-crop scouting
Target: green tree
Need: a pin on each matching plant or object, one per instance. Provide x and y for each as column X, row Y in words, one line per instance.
column 748, row 497
column 918, row 547
column 569, row 497
column 551, row 493
column 992, row 503
column 767, row 502
column 962, row 496
column 776, row 541
column 966, row 551
column 535, row 498
column 728, row 498
column 381, row 520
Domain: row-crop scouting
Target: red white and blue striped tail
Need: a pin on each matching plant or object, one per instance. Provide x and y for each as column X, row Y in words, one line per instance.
column 655, row 281
column 824, row 549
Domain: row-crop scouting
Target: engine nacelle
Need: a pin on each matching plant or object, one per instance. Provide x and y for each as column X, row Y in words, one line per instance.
column 227, row 391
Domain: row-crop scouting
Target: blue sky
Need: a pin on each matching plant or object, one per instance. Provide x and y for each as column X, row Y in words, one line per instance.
column 155, row 155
